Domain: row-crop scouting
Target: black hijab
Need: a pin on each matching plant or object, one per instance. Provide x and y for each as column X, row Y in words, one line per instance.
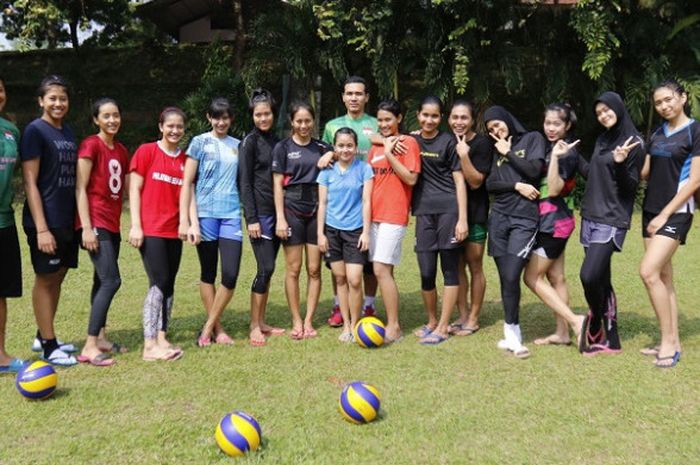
column 515, row 128
column 624, row 127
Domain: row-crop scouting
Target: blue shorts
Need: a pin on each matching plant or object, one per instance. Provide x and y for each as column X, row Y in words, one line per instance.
column 599, row 233
column 213, row 229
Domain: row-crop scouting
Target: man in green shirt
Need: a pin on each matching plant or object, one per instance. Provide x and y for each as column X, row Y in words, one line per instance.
column 355, row 98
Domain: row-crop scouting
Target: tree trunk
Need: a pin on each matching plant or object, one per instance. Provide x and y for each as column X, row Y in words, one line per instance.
column 74, row 34
column 240, row 42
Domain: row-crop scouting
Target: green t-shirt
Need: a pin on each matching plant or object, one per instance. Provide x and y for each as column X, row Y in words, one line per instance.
column 365, row 126
column 9, row 142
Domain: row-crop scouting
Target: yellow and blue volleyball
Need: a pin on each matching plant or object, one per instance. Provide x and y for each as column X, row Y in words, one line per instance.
column 359, row 402
column 37, row 380
column 369, row 332
column 238, row 433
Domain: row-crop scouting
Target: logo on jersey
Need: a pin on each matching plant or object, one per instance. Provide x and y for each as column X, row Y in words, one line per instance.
column 293, row 155
column 9, row 136
column 367, row 131
column 115, row 177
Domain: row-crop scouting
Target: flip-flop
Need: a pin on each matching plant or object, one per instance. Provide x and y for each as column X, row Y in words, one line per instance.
column 273, row 331
column 388, row 341
column 296, row 334
column 550, row 341
column 433, row 339
column 522, row 353
column 223, row 339
column 15, row 365
column 102, row 360
column 346, row 337
column 466, row 331
column 674, row 360
column 115, row 349
column 423, row 332
column 455, row 327
column 310, row 333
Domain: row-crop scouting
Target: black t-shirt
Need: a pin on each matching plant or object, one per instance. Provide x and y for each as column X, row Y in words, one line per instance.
column 611, row 187
column 671, row 154
column 57, row 153
column 255, row 174
column 481, row 156
column 522, row 164
column 298, row 164
column 435, row 191
column 556, row 215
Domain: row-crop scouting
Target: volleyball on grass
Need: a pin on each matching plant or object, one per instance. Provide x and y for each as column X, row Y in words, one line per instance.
column 359, row 402
column 37, row 380
column 369, row 332
column 238, row 433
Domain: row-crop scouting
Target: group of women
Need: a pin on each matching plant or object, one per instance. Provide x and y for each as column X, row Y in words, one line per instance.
column 319, row 200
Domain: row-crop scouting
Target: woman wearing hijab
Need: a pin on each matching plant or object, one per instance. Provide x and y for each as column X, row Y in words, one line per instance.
column 517, row 166
column 613, row 177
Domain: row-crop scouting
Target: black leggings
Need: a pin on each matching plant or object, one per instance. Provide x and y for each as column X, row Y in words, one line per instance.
column 265, row 251
column 449, row 264
column 208, row 252
column 510, row 268
column 161, row 258
column 106, row 279
column 597, row 285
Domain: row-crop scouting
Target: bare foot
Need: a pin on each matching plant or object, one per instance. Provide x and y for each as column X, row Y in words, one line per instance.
column 257, row 338
column 553, row 340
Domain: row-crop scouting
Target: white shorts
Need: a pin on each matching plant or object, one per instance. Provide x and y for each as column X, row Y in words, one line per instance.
column 385, row 243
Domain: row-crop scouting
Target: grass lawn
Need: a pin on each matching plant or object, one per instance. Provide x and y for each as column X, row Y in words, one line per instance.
column 463, row 402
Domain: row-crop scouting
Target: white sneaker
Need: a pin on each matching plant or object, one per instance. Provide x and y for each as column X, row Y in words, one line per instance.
column 60, row 358
column 69, row 348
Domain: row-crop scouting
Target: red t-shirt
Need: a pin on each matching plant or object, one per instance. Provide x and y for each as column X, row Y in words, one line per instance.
column 160, row 195
column 105, row 188
column 391, row 197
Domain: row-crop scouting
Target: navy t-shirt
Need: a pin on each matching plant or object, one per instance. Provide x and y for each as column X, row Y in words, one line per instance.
column 671, row 154
column 56, row 150
column 435, row 191
column 298, row 164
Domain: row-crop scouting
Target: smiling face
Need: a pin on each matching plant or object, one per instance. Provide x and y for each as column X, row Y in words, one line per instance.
column 388, row 123
column 497, row 128
column 302, row 123
column 606, row 116
column 555, row 128
column 220, row 124
column 668, row 103
column 355, row 97
column 461, row 120
column 172, row 128
column 54, row 104
column 345, row 148
column 429, row 118
column 263, row 116
column 108, row 119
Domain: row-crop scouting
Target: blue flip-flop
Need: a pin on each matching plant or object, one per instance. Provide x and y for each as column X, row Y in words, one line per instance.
column 423, row 332
column 674, row 360
column 433, row 339
column 15, row 365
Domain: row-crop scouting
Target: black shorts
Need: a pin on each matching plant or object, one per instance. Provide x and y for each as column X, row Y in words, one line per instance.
column 511, row 235
column 677, row 226
column 11, row 269
column 436, row 232
column 548, row 246
column 342, row 246
column 66, row 255
column 302, row 229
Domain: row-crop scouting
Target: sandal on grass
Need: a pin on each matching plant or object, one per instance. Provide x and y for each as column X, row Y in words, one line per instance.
column 661, row 362
column 650, row 351
column 423, row 332
column 296, row 334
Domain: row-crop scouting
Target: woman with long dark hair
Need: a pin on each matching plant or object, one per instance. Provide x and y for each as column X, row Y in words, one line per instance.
column 672, row 170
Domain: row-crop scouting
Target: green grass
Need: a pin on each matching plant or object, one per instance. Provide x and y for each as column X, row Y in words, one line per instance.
column 464, row 402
